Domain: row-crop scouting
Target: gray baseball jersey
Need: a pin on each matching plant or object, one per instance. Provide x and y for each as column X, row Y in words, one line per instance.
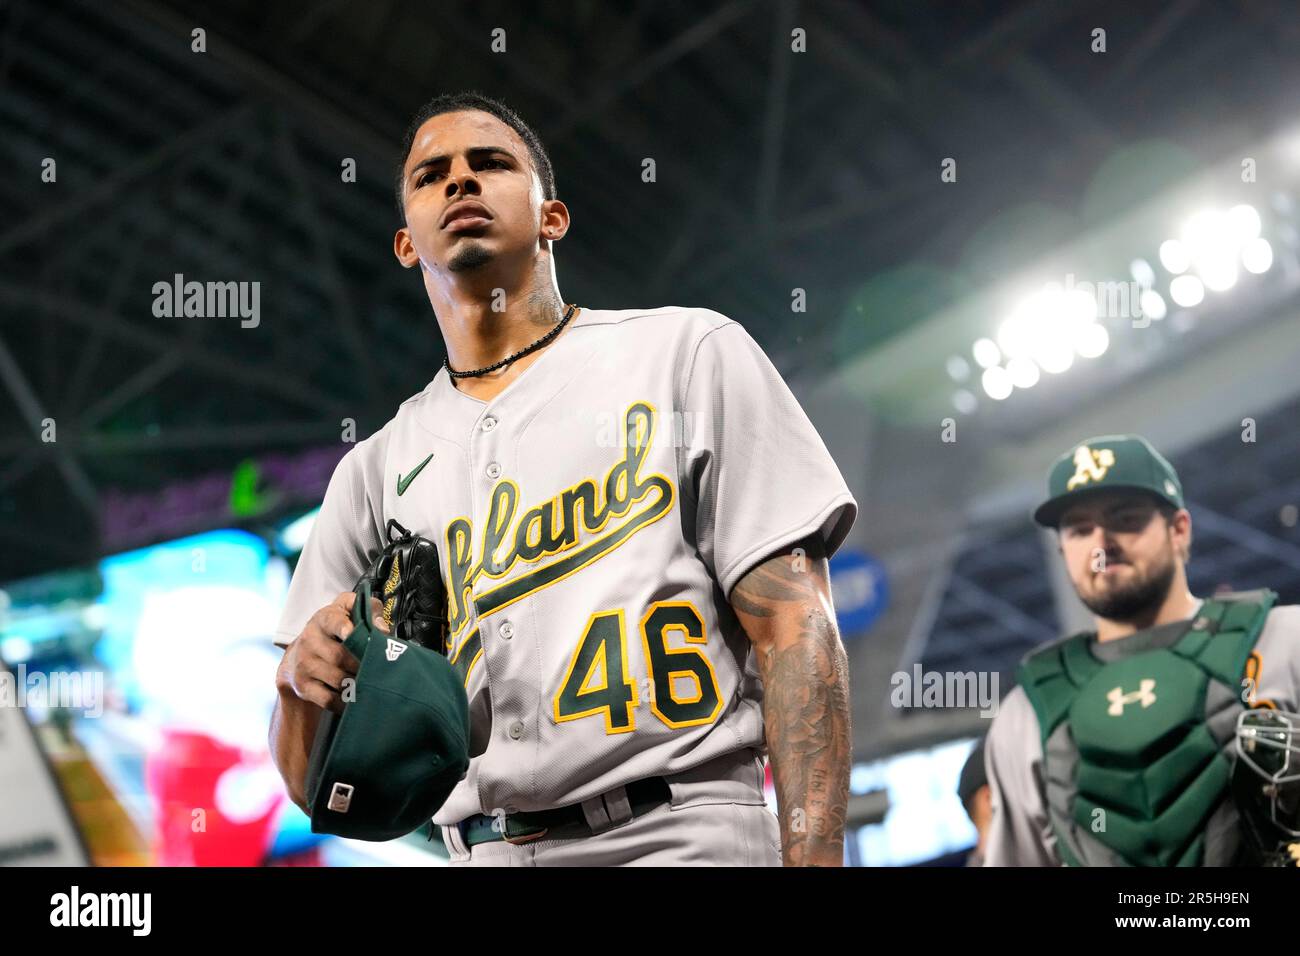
column 591, row 521
column 1020, row 833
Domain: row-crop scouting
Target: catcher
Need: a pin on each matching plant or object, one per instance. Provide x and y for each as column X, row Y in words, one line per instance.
column 632, row 516
column 1164, row 737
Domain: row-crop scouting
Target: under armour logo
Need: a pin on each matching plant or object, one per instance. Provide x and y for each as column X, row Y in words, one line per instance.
column 1090, row 465
column 394, row 650
column 1144, row 695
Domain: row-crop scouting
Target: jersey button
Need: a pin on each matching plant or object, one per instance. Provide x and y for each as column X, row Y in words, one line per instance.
column 488, row 424
column 507, row 630
column 516, row 730
column 494, row 470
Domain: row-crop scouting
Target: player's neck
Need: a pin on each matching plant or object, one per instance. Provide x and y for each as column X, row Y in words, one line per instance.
column 1179, row 604
column 477, row 335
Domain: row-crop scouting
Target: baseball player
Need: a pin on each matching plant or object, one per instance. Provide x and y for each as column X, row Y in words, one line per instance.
column 633, row 516
column 1120, row 746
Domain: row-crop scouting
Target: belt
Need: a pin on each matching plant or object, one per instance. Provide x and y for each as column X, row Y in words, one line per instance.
column 558, row 824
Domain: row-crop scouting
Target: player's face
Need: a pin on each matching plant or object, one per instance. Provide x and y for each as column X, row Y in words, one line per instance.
column 472, row 156
column 1121, row 554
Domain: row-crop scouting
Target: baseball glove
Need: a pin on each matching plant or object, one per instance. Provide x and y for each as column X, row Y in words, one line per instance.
column 407, row 578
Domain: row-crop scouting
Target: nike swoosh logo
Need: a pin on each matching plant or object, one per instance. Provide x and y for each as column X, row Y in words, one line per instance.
column 404, row 483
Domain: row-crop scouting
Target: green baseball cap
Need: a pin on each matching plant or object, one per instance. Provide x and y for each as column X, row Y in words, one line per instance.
column 388, row 763
column 1107, row 463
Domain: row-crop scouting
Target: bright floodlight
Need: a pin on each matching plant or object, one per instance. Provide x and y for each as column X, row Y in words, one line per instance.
column 1078, row 307
column 958, row 368
column 1153, row 306
column 1174, row 256
column 1023, row 372
column 1187, row 291
column 1055, row 355
column 1243, row 223
column 1212, row 240
column 1042, row 327
column 986, row 353
column 1219, row 271
column 1257, row 256
column 1092, row 341
column 1015, row 334
column 964, row 401
column 1142, row 273
column 996, row 382
column 1203, row 230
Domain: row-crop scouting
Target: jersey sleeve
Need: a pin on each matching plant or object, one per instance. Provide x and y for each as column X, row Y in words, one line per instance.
column 1278, row 648
column 343, row 540
column 757, row 475
column 1020, row 833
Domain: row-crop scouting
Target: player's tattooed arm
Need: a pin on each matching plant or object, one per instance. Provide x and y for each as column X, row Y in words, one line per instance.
column 785, row 606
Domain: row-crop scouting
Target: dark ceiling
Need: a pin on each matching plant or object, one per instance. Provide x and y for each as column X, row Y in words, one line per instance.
column 775, row 172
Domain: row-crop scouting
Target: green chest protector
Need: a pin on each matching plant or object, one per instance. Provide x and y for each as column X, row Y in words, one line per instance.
column 1137, row 752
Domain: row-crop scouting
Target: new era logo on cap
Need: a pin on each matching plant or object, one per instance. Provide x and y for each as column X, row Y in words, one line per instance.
column 340, row 797
column 394, row 650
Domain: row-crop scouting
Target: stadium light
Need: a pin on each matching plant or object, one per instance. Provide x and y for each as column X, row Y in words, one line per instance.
column 1153, row 305
column 1243, row 223
column 1257, row 256
column 1142, row 273
column 1022, row 372
column 1186, row 291
column 996, row 382
column 986, row 353
column 1093, row 341
column 1174, row 257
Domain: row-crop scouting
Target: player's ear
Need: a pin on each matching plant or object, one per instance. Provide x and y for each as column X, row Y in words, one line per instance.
column 1182, row 525
column 555, row 219
column 404, row 249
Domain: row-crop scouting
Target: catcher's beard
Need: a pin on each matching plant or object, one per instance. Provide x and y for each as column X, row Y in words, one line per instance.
column 469, row 255
column 1140, row 598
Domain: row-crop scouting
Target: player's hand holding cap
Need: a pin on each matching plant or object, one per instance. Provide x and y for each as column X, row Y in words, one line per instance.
column 386, row 765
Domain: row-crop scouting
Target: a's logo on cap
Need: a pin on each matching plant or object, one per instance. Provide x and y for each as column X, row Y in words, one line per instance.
column 1170, row 490
column 1090, row 465
column 340, row 797
column 1144, row 695
column 394, row 650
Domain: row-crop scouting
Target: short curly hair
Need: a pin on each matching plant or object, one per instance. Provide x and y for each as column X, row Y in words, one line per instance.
column 474, row 100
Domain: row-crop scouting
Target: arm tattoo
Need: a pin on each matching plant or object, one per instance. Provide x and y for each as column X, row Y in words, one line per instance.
column 785, row 606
